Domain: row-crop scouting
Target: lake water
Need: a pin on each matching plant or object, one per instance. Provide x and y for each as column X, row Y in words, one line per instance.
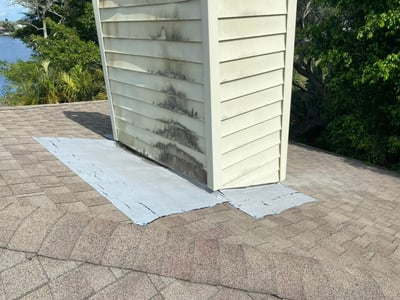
column 11, row 50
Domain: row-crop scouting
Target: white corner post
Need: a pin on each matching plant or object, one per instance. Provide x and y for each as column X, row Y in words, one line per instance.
column 96, row 8
column 287, row 92
column 211, row 88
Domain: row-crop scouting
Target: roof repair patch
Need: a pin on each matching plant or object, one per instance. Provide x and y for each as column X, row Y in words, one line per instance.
column 259, row 201
column 145, row 191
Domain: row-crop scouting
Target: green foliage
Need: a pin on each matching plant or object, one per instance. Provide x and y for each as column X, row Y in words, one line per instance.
column 22, row 78
column 356, row 48
column 65, row 48
column 351, row 135
column 75, row 14
column 79, row 84
column 308, row 83
column 80, row 16
column 32, row 83
column 35, row 82
column 64, row 68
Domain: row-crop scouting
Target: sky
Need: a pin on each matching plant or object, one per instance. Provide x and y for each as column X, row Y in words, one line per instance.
column 10, row 12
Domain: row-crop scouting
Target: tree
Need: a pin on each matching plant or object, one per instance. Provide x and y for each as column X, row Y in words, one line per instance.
column 79, row 14
column 308, row 85
column 356, row 49
column 39, row 10
column 65, row 49
column 64, row 68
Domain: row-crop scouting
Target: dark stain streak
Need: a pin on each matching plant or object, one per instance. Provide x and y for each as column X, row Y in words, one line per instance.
column 169, row 35
column 177, row 105
column 171, row 90
column 176, row 36
column 179, row 133
column 177, row 102
column 182, row 162
column 176, row 13
column 172, row 69
column 168, row 72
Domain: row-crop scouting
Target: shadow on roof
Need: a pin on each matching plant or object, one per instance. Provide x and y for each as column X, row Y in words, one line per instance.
column 94, row 121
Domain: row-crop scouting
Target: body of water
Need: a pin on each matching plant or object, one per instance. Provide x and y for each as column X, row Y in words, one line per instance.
column 11, row 50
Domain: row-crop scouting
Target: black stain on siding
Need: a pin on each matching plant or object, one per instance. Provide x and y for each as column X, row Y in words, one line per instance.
column 176, row 13
column 177, row 132
column 170, row 72
column 177, row 102
column 172, row 34
column 182, row 162
column 173, row 69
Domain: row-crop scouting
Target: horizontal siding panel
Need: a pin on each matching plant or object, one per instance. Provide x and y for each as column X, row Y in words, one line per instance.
column 251, row 164
column 248, row 135
column 237, row 8
column 135, row 111
column 241, row 87
column 251, row 27
column 169, row 99
column 192, row 52
column 251, row 118
column 138, row 120
column 250, row 149
column 156, row 30
column 188, row 10
column 236, row 69
column 132, row 132
column 156, row 82
column 116, row 3
column 188, row 71
column 250, row 102
column 134, row 142
column 236, row 49
column 169, row 154
column 258, row 177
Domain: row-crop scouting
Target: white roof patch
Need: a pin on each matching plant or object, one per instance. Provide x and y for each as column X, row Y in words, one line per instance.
column 145, row 191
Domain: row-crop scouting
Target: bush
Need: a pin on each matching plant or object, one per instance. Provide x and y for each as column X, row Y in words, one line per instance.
column 34, row 82
column 63, row 69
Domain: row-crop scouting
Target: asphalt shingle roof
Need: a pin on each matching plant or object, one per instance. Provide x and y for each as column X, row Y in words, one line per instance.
column 60, row 239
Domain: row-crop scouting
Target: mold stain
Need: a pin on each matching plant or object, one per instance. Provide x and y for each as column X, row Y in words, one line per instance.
column 177, row 36
column 171, row 34
column 176, row 12
column 177, row 132
column 182, row 162
column 169, row 67
column 177, row 102
column 171, row 71
column 174, row 69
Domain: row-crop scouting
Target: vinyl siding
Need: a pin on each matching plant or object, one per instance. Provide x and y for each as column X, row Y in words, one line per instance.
column 201, row 86
column 250, row 8
column 252, row 40
column 154, row 56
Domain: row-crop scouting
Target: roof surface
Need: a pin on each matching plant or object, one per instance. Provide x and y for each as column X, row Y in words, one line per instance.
column 60, row 239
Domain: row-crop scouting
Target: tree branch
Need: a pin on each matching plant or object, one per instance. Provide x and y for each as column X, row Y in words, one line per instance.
column 301, row 88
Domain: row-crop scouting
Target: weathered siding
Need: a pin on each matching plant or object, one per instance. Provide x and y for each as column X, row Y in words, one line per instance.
column 252, row 43
column 202, row 86
column 154, row 56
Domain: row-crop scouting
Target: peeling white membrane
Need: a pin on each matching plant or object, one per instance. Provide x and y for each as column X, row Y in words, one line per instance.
column 259, row 201
column 145, row 191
